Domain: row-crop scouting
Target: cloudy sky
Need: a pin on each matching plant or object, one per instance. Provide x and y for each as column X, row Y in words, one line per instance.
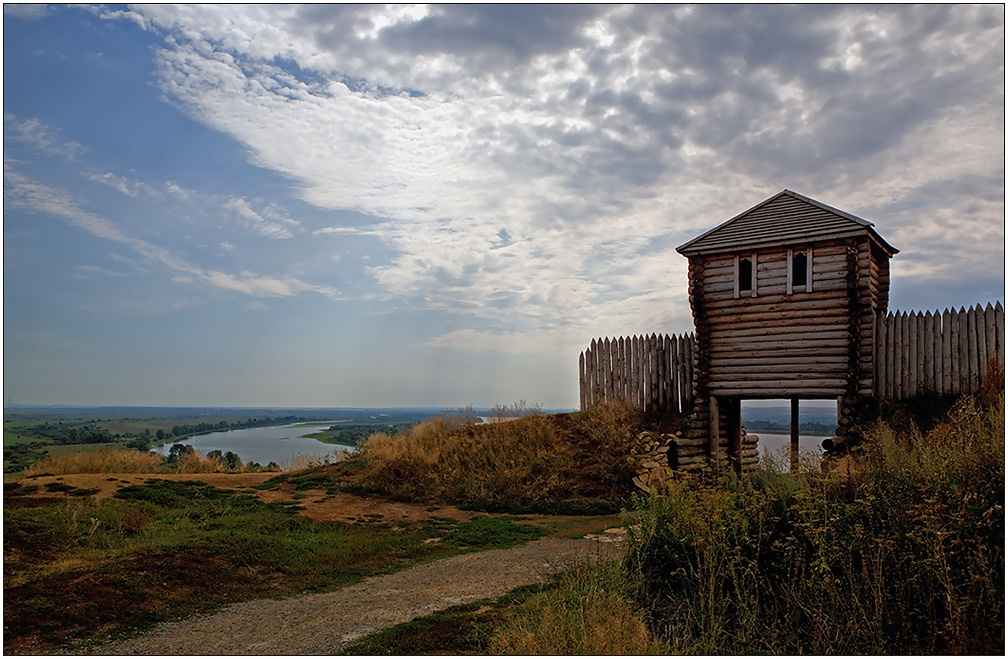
column 440, row 206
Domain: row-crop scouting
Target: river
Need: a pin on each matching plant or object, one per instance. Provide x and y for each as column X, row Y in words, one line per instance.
column 280, row 444
column 780, row 445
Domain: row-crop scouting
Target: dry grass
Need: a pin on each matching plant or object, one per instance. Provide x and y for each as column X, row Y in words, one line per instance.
column 106, row 461
column 128, row 461
column 525, row 462
column 585, row 613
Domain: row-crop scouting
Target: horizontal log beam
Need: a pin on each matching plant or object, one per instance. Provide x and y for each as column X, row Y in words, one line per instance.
column 806, row 350
column 815, row 300
column 824, row 393
column 767, row 383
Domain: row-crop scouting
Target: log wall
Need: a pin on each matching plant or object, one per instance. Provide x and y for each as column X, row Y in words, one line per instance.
column 815, row 341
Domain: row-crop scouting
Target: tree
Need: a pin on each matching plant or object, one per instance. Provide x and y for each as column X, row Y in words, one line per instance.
column 179, row 451
column 139, row 443
column 232, row 461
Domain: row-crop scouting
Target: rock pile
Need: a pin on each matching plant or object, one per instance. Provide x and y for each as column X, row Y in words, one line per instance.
column 651, row 459
column 657, row 455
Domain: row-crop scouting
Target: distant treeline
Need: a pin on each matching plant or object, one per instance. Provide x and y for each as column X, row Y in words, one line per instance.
column 351, row 434
column 64, row 433
column 182, row 430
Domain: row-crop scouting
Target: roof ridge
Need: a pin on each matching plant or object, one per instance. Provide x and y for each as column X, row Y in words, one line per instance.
column 821, row 226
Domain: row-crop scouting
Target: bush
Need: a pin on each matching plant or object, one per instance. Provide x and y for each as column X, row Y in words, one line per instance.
column 903, row 552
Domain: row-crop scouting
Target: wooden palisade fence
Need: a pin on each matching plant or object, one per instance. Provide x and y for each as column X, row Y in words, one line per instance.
column 651, row 372
column 946, row 352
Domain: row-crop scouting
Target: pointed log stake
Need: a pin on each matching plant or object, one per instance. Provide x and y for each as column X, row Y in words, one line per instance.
column 581, row 381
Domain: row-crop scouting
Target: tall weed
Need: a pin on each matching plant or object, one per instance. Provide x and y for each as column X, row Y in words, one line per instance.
column 586, row 612
column 903, row 552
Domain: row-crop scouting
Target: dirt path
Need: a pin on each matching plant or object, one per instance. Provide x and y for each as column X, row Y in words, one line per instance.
column 325, row 623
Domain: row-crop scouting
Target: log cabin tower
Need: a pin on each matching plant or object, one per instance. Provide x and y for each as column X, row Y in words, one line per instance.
column 784, row 299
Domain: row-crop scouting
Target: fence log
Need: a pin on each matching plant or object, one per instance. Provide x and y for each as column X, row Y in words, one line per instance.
column 904, row 344
column 981, row 344
column 954, row 387
column 946, row 352
column 890, row 323
column 911, row 353
column 971, row 349
column 964, row 366
column 990, row 331
column 999, row 329
column 936, row 341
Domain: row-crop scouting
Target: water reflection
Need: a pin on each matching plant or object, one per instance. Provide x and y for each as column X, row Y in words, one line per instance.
column 279, row 444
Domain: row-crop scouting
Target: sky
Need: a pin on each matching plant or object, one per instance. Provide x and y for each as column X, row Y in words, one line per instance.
column 338, row 206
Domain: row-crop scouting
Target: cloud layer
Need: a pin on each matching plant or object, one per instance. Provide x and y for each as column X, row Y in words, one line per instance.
column 468, row 189
column 596, row 138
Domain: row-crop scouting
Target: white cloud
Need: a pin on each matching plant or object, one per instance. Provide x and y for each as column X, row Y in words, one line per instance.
column 40, row 136
column 129, row 187
column 598, row 138
column 25, row 11
column 86, row 271
column 271, row 222
column 21, row 192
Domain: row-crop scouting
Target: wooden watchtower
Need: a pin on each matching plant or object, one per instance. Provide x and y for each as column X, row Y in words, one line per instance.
column 784, row 299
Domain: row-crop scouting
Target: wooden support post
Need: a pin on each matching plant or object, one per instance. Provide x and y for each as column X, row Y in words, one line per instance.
column 794, row 434
column 715, row 436
column 735, row 433
column 581, row 381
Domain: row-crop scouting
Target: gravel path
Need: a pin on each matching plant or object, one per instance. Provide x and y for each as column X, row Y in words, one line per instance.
column 327, row 622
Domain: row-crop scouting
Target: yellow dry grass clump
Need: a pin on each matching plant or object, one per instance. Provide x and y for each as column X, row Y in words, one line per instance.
column 106, row 461
column 113, row 461
column 525, row 461
column 585, row 613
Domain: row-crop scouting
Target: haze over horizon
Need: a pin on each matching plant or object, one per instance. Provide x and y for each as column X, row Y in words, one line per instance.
column 436, row 206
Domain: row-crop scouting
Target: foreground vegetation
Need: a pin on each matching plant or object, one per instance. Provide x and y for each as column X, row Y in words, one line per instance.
column 897, row 548
column 901, row 551
column 81, row 568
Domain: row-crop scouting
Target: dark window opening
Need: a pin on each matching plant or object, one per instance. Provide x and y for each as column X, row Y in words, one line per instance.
column 745, row 275
column 799, row 269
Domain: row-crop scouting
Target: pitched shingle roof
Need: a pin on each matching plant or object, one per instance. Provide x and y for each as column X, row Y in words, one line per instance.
column 787, row 218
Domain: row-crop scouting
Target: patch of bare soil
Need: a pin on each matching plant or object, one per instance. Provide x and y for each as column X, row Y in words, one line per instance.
column 343, row 507
column 327, row 622
column 105, row 485
column 316, row 504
